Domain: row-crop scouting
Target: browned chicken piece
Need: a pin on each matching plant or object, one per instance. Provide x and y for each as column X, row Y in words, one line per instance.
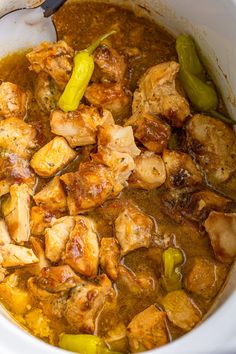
column 46, row 92
column 205, row 277
column 180, row 169
column 13, row 101
column 82, row 248
column 17, row 137
column 88, row 188
column 149, row 173
column 4, row 234
column 116, row 337
column 52, row 197
column 16, row 211
column 158, row 94
column 52, row 157
column 16, row 256
column 221, row 229
column 39, row 250
column 181, row 310
column 117, row 138
column 214, row 145
column 110, row 256
column 57, row 279
column 151, row 131
column 133, row 230
column 113, row 208
column 147, row 330
column 80, row 127
column 40, row 219
column 56, row 59
column 108, row 96
column 110, row 65
column 57, row 236
column 86, row 302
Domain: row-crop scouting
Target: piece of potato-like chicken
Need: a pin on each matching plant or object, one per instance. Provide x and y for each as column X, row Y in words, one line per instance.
column 16, row 211
column 110, row 256
column 117, row 138
column 181, row 310
column 133, row 230
column 180, row 169
column 82, row 248
column 108, row 96
column 57, row 236
column 88, row 188
column 52, row 197
column 80, row 127
column 214, row 146
column 13, row 101
column 221, row 229
column 56, row 59
column 151, row 131
column 40, row 219
column 147, row 330
column 205, row 277
column 110, row 65
column 157, row 94
column 85, row 303
column 16, row 256
column 17, row 137
column 149, row 173
column 46, row 92
column 52, row 157
column 5, row 238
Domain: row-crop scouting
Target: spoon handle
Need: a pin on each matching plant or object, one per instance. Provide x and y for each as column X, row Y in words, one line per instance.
column 51, row 6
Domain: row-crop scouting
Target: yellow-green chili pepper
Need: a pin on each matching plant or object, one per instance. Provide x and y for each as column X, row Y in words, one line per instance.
column 81, row 75
column 172, row 257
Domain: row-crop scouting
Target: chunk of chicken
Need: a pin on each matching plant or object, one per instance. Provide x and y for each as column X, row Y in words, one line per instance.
column 157, row 94
column 108, row 96
column 4, row 234
column 16, row 210
column 149, row 173
column 56, row 59
column 39, row 250
column 46, row 92
column 221, row 229
column 52, row 157
column 13, row 101
column 214, row 145
column 57, row 236
column 205, row 277
column 57, row 279
column 86, row 302
column 151, row 131
column 110, row 65
column 181, row 310
column 80, row 127
column 181, row 170
column 110, row 256
column 133, row 230
column 5, row 185
column 52, row 197
column 17, row 137
column 40, row 219
column 82, row 249
column 117, row 138
column 88, row 188
column 16, row 256
column 147, row 330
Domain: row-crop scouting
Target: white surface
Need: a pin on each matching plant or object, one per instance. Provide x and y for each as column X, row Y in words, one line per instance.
column 213, row 25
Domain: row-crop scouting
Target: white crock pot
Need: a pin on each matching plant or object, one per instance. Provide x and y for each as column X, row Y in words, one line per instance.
column 213, row 25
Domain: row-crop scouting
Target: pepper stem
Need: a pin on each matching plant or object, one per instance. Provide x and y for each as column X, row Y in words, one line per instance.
column 94, row 45
column 222, row 117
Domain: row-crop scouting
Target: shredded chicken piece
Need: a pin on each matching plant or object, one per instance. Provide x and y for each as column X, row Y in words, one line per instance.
column 147, row 330
column 56, row 59
column 80, row 127
column 13, row 101
column 16, row 211
column 221, row 229
column 40, row 219
column 110, row 256
column 46, row 92
column 39, row 250
column 4, row 234
column 158, row 94
column 149, row 173
column 52, row 157
column 15, row 256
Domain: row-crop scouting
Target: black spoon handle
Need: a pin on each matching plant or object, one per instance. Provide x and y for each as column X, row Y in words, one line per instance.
column 51, row 6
